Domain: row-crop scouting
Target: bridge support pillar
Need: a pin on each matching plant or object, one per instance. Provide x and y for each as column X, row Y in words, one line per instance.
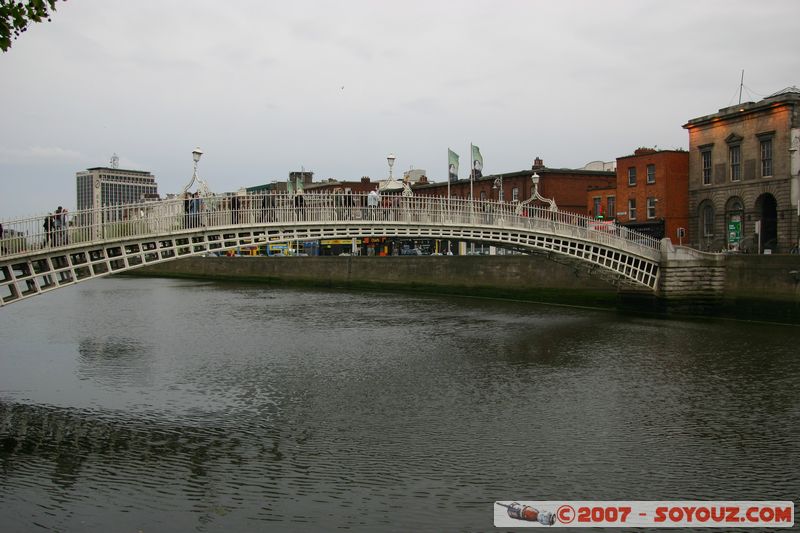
column 690, row 281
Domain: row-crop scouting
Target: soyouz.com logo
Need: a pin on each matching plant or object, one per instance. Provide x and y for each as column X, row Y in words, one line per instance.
column 644, row 514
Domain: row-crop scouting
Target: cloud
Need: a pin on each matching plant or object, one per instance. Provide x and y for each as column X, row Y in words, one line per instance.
column 41, row 154
column 258, row 84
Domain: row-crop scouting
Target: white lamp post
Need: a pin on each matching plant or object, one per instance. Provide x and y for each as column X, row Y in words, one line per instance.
column 536, row 196
column 196, row 153
column 498, row 183
column 390, row 159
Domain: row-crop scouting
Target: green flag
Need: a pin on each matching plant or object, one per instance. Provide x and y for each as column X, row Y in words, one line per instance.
column 452, row 164
column 477, row 162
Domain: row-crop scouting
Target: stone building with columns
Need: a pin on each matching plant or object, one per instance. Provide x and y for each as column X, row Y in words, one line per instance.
column 744, row 186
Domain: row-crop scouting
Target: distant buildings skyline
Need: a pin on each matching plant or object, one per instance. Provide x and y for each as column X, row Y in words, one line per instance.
column 736, row 188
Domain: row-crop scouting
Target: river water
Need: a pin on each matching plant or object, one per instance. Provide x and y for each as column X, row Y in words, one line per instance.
column 130, row 404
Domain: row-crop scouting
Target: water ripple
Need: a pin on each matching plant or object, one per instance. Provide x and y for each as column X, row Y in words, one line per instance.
column 312, row 410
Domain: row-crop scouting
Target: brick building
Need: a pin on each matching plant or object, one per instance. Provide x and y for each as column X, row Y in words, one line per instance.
column 566, row 186
column 651, row 194
column 363, row 186
column 743, row 175
column 601, row 202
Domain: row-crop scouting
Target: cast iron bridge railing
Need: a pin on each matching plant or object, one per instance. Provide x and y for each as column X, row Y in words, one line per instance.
column 36, row 257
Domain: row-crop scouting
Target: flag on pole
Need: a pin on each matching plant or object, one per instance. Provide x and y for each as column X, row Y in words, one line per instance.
column 477, row 162
column 298, row 182
column 452, row 165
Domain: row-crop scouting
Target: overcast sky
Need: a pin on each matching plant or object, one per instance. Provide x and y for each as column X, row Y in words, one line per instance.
column 265, row 88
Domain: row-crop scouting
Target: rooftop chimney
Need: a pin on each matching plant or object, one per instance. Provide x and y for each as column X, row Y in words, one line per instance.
column 537, row 164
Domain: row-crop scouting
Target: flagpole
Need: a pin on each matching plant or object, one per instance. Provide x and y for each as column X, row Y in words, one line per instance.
column 448, row 193
column 471, row 173
column 471, row 195
column 448, row 175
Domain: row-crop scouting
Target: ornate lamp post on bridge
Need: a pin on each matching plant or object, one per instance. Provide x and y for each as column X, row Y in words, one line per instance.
column 498, row 184
column 536, row 196
column 193, row 206
column 390, row 159
column 390, row 185
column 196, row 154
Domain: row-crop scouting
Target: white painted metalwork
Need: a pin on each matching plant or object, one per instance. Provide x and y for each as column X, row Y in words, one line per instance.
column 202, row 186
column 101, row 241
column 534, row 196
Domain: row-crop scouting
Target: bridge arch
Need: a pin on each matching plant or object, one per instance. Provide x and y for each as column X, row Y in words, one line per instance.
column 103, row 242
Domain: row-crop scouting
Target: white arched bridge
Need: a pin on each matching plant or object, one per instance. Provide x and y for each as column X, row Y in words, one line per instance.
column 40, row 254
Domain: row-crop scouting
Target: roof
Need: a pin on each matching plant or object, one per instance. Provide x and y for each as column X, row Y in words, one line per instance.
column 787, row 96
column 391, row 185
column 788, row 90
column 120, row 171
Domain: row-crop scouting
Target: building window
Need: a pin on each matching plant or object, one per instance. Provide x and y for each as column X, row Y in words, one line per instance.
column 631, row 175
column 651, row 173
column 736, row 162
column 705, row 159
column 515, row 194
column 632, row 208
column 611, row 207
column 766, row 157
column 597, row 211
column 483, row 196
column 651, row 207
column 708, row 220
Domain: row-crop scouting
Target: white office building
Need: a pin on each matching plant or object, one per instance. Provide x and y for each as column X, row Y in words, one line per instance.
column 105, row 186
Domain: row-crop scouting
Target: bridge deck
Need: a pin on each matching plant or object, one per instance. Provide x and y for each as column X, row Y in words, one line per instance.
column 36, row 257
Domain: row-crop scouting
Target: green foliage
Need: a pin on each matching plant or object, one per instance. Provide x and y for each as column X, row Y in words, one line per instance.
column 15, row 17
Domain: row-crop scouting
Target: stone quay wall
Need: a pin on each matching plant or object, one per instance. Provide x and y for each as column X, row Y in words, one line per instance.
column 756, row 287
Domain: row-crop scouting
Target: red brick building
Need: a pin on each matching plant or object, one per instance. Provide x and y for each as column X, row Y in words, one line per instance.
column 601, row 202
column 652, row 194
column 363, row 186
column 566, row 186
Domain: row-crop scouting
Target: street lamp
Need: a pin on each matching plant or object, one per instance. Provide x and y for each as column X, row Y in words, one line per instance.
column 536, row 196
column 498, row 183
column 196, row 153
column 390, row 159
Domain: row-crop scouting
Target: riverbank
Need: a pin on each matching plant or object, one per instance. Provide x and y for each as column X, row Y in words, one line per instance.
column 764, row 288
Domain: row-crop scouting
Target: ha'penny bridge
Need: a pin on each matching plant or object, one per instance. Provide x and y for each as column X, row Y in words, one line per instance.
column 36, row 258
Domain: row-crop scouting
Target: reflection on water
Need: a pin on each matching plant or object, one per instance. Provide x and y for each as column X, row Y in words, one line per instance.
column 172, row 406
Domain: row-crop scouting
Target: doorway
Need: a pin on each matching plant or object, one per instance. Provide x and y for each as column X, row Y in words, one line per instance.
column 767, row 210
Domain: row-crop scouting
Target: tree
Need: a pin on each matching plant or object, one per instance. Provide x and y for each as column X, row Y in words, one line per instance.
column 15, row 17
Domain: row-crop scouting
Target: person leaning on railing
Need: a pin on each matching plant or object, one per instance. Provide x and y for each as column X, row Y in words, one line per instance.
column 64, row 226
column 48, row 226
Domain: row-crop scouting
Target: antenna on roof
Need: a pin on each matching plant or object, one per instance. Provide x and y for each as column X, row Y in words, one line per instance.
column 741, row 84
